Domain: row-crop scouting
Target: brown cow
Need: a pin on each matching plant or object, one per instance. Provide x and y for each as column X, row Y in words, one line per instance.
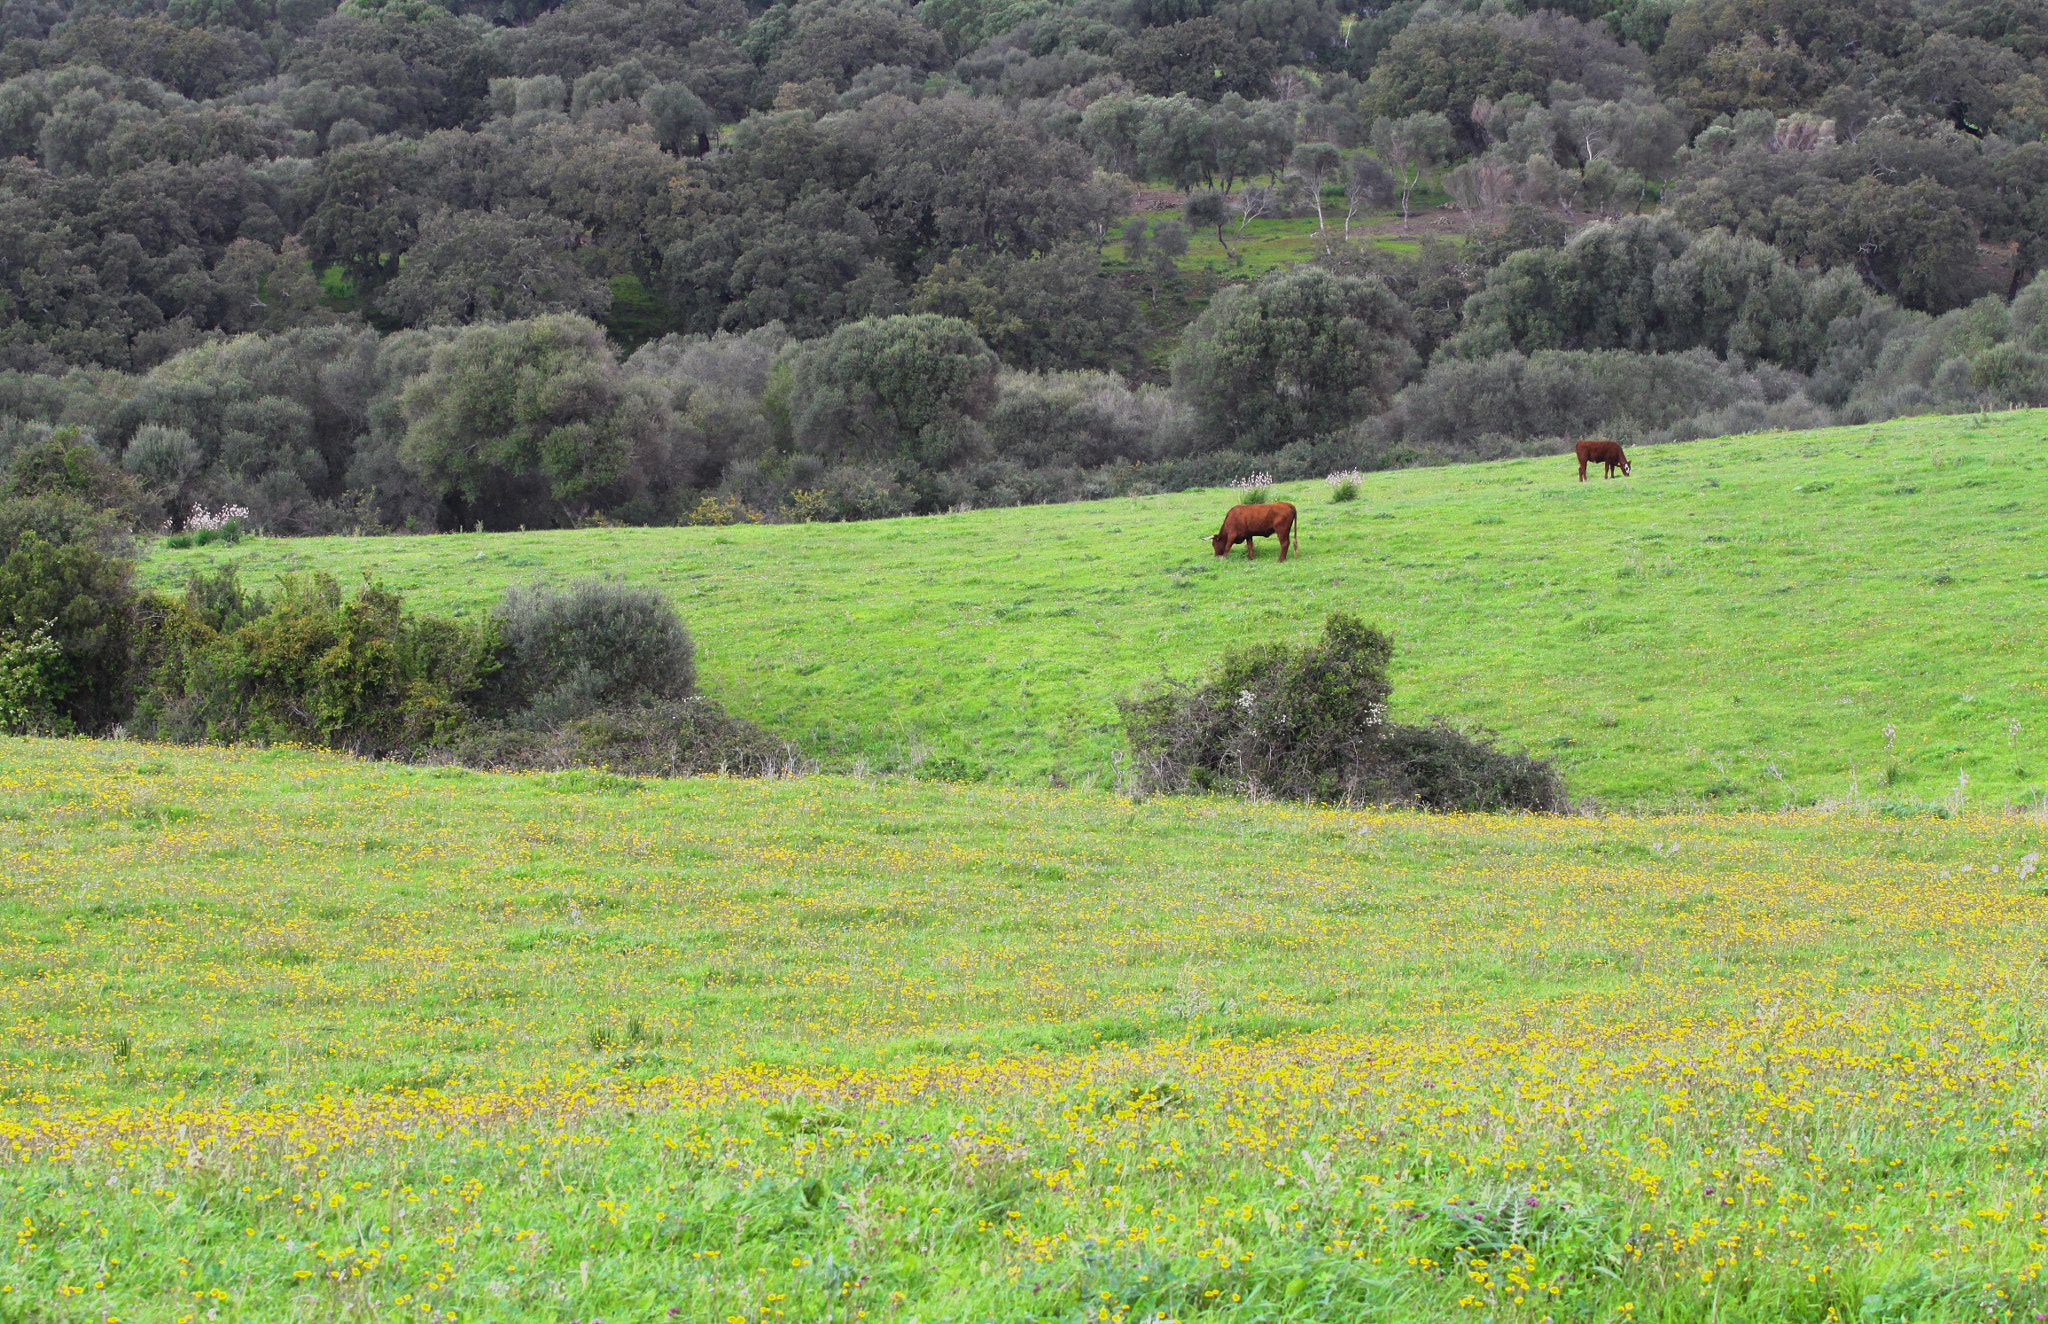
column 1274, row 519
column 1599, row 450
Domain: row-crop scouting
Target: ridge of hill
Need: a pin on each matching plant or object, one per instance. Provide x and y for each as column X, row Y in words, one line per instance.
column 1749, row 620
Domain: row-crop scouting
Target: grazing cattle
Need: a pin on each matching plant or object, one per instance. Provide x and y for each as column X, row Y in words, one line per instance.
column 1274, row 519
column 1599, row 450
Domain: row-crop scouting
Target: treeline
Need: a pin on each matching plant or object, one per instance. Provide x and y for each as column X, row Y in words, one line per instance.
column 1632, row 327
column 399, row 264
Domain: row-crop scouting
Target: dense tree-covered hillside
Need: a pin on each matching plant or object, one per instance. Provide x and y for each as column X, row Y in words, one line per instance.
column 504, row 263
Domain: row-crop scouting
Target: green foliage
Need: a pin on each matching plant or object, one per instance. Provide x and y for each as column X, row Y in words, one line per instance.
column 310, row 666
column 479, row 266
column 1903, row 208
column 530, row 421
column 967, row 24
column 1408, row 145
column 32, row 682
column 1473, row 407
column 568, row 652
column 682, row 123
column 66, row 467
column 1302, row 353
column 81, row 596
column 1198, row 58
column 1311, row 724
column 1642, row 284
column 1443, row 68
column 913, row 388
column 1716, row 56
column 1205, row 210
column 1042, row 313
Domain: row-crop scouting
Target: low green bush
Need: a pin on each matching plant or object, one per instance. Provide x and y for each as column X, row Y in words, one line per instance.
column 31, row 682
column 1310, row 723
column 596, row 675
column 597, row 644
column 353, row 673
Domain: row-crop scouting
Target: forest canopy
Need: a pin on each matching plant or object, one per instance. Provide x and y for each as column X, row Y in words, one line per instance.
column 394, row 264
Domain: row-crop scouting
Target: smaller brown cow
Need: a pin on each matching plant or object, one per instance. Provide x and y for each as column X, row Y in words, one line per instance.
column 1274, row 519
column 1599, row 450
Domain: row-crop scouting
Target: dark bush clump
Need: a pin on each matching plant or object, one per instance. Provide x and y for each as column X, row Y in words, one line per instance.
column 597, row 644
column 1311, row 724
column 1448, row 769
column 671, row 738
column 67, row 597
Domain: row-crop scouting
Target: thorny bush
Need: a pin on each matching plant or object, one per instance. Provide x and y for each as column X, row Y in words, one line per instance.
column 1311, row 723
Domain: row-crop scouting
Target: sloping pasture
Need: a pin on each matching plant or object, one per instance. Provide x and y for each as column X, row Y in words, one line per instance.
column 1752, row 621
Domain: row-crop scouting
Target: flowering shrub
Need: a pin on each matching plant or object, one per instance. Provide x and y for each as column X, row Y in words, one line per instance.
column 1344, row 484
column 1252, row 488
column 203, row 526
column 722, row 510
column 804, row 506
column 201, row 519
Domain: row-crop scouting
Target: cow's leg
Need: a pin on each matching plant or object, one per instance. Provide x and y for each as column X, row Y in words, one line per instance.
column 1582, row 471
column 1286, row 540
column 1251, row 548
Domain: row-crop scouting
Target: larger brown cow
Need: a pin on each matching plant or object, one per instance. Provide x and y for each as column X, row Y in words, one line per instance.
column 1599, row 450
column 1274, row 519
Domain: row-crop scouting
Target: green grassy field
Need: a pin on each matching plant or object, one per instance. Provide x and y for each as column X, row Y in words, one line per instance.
column 293, row 1037
column 1270, row 244
column 1750, row 621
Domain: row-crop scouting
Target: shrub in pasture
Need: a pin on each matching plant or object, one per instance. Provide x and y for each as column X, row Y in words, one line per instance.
column 1344, row 484
column 594, row 675
column 718, row 511
column 568, row 652
column 65, row 578
column 669, row 738
column 1253, row 489
column 1447, row 769
column 356, row 674
column 1310, row 723
column 31, row 682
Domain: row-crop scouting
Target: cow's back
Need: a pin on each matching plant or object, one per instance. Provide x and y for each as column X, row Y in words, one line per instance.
column 1267, row 518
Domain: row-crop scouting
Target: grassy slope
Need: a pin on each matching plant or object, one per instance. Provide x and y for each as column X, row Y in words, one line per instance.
column 295, row 1037
column 1740, row 611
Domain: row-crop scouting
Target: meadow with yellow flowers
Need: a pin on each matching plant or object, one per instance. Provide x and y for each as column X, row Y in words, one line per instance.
column 294, row 1037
